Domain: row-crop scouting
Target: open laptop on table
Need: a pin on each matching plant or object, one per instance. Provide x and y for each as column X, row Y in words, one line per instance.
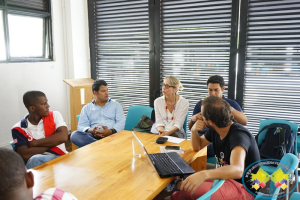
column 166, row 164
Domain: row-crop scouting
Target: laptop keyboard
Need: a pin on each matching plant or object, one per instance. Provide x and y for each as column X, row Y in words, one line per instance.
column 165, row 164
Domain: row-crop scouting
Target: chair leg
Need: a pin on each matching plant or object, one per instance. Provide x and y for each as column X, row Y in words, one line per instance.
column 297, row 181
column 287, row 191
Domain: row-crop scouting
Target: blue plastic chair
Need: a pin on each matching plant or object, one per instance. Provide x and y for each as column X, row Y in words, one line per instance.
column 211, row 160
column 295, row 196
column 288, row 164
column 134, row 114
column 78, row 117
column 265, row 122
column 185, row 124
column 12, row 144
column 298, row 144
column 215, row 186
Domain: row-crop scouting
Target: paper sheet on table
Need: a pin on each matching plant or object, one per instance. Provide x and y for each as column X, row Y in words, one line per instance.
column 175, row 140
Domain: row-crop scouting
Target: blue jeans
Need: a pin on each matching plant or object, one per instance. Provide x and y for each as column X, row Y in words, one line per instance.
column 82, row 138
column 39, row 159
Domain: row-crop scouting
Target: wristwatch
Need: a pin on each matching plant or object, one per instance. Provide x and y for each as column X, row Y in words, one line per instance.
column 113, row 131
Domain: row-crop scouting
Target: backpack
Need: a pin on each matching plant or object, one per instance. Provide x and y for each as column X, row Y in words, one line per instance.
column 144, row 125
column 279, row 140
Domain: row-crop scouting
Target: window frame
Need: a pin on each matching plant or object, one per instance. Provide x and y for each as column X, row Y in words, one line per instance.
column 47, row 32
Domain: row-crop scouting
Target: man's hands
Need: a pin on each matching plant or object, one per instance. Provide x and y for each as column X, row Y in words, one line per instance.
column 191, row 183
column 198, row 142
column 199, row 125
column 32, row 144
column 60, row 136
column 101, row 134
column 196, row 117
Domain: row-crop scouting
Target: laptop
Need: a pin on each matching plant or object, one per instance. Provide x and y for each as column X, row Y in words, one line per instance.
column 166, row 164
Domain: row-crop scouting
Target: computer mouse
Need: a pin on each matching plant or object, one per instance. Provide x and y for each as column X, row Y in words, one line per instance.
column 161, row 140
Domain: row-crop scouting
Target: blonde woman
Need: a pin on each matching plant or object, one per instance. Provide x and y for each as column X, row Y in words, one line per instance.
column 170, row 109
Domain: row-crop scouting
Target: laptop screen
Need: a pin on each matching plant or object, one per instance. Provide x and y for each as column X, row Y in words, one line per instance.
column 144, row 150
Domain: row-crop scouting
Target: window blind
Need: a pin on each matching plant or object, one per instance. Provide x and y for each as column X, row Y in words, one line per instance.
column 195, row 44
column 122, row 49
column 32, row 4
column 272, row 71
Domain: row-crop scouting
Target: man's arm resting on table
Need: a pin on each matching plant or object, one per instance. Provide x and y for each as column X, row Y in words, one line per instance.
column 26, row 152
column 239, row 116
column 233, row 171
column 60, row 136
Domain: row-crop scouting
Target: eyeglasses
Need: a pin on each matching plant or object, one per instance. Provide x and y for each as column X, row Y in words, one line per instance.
column 168, row 86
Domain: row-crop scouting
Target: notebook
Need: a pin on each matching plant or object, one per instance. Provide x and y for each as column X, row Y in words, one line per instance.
column 166, row 164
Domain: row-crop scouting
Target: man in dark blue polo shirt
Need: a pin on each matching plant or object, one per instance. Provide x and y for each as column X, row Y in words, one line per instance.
column 216, row 87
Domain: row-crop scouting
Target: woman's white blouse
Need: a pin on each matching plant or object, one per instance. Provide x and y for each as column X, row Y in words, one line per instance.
column 181, row 109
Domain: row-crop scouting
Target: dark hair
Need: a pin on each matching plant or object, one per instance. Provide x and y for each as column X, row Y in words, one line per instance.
column 216, row 79
column 12, row 171
column 30, row 98
column 96, row 85
column 217, row 110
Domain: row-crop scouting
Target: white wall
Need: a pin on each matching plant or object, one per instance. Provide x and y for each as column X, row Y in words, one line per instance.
column 71, row 60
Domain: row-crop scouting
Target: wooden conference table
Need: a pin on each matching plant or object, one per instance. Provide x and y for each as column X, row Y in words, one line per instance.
column 106, row 169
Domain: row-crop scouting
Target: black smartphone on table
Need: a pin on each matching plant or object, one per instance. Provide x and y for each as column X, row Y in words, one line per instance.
column 172, row 147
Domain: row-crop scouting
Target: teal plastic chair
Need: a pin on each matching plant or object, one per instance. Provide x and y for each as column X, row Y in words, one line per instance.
column 78, row 117
column 12, row 144
column 134, row 114
column 295, row 196
column 288, row 164
column 265, row 122
column 211, row 160
column 215, row 186
column 298, row 144
column 185, row 124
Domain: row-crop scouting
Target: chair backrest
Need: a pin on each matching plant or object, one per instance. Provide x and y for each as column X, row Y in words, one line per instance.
column 78, row 117
column 295, row 196
column 134, row 114
column 265, row 122
column 12, row 144
column 215, row 186
column 185, row 123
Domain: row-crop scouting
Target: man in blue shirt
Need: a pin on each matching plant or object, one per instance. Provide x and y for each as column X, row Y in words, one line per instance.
column 100, row 118
column 216, row 87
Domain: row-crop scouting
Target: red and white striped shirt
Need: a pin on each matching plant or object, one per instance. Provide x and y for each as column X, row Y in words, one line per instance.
column 55, row 194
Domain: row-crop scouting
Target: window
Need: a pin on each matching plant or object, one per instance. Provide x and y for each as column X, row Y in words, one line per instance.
column 195, row 44
column 253, row 44
column 2, row 40
column 272, row 67
column 25, row 31
column 120, row 47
